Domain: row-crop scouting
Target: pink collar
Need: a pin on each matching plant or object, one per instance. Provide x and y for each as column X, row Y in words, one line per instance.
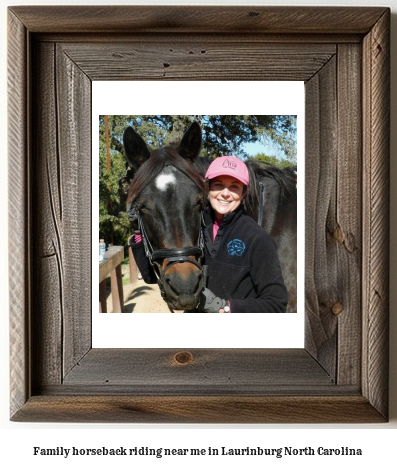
column 215, row 227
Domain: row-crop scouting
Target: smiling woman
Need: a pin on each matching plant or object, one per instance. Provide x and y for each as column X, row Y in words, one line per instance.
column 225, row 195
column 229, row 178
column 243, row 269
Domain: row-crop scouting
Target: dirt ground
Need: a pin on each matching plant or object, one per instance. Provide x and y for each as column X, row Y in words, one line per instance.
column 143, row 298
column 139, row 297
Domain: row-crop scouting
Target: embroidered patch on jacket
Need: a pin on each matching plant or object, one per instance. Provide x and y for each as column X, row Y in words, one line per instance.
column 235, row 247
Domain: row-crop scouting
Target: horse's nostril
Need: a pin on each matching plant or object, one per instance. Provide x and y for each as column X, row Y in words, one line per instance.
column 178, row 285
column 168, row 281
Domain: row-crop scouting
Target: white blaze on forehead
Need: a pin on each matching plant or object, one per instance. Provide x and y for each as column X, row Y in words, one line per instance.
column 162, row 181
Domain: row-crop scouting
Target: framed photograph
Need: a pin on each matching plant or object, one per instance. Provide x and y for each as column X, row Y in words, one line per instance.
column 340, row 375
column 272, row 106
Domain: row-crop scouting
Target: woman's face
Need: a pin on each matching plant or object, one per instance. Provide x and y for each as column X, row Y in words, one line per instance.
column 226, row 194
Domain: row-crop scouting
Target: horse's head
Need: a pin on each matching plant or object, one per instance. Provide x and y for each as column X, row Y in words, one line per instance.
column 168, row 195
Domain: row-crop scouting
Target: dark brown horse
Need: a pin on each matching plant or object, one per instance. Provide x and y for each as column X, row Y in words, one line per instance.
column 167, row 195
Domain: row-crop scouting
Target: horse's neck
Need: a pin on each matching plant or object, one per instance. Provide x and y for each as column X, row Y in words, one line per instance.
column 271, row 200
column 202, row 164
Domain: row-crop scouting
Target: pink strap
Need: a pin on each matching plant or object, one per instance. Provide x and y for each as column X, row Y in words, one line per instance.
column 137, row 238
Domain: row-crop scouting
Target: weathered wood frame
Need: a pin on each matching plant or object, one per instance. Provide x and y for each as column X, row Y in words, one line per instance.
column 343, row 56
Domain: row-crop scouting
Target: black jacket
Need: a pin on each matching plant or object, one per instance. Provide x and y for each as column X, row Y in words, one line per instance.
column 243, row 265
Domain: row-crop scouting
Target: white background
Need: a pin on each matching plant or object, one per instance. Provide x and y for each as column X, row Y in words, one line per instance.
column 377, row 441
column 126, row 330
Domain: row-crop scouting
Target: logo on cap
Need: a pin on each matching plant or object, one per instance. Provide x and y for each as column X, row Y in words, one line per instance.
column 229, row 164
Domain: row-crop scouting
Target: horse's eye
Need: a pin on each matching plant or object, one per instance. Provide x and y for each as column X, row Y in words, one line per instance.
column 142, row 207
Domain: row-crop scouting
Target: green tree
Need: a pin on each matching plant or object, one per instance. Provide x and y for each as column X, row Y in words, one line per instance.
column 113, row 221
column 271, row 159
column 222, row 134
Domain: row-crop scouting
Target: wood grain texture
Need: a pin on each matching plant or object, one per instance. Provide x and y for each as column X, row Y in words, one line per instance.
column 48, row 281
column 333, row 215
column 198, row 409
column 321, row 275
column 341, row 376
column 246, row 370
column 196, row 19
column 376, row 91
column 62, row 198
column 73, row 90
column 207, row 59
column 346, row 228
column 19, row 224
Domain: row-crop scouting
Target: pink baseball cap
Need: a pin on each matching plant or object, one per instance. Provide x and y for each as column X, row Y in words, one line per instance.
column 228, row 165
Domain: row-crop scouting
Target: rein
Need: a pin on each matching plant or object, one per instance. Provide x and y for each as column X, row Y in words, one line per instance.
column 261, row 202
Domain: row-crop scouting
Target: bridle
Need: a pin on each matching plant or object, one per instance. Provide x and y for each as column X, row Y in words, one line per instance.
column 173, row 255
column 261, row 203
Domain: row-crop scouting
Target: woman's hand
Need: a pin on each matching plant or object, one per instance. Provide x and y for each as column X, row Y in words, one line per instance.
column 210, row 302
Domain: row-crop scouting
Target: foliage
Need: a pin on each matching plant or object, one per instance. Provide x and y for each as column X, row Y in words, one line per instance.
column 282, row 163
column 113, row 221
column 222, row 135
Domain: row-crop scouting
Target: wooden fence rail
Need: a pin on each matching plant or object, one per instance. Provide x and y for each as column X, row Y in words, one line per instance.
column 111, row 266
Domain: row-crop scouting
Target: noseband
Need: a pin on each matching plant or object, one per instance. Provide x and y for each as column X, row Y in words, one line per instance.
column 173, row 256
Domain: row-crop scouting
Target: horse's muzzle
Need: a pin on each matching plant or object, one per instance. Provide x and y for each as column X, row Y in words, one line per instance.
column 183, row 284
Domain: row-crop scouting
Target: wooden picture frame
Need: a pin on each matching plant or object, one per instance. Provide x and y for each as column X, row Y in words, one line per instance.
column 342, row 54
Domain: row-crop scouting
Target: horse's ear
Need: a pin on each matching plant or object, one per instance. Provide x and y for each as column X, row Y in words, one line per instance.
column 135, row 148
column 190, row 146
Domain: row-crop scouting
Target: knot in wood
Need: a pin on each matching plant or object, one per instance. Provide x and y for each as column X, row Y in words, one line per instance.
column 339, row 235
column 183, row 358
column 337, row 308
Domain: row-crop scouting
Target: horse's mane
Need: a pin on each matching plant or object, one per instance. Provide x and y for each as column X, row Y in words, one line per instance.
column 153, row 166
column 285, row 177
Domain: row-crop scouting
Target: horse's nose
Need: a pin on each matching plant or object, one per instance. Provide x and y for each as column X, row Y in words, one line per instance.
column 184, row 283
column 183, row 289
